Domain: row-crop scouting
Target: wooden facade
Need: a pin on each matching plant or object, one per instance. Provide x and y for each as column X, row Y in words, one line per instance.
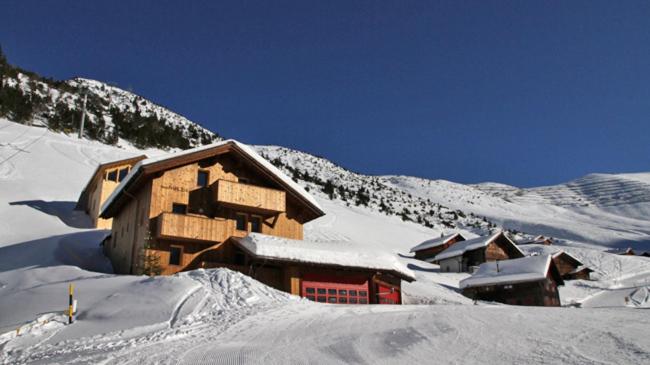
column 102, row 183
column 182, row 208
column 570, row 268
column 533, row 293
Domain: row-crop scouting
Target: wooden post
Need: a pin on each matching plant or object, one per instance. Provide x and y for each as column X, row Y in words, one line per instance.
column 83, row 117
column 70, row 309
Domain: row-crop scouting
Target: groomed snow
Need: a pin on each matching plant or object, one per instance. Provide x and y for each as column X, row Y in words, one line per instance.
column 531, row 268
column 350, row 254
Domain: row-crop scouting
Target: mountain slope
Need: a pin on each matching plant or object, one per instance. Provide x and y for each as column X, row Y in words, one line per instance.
column 598, row 209
column 111, row 113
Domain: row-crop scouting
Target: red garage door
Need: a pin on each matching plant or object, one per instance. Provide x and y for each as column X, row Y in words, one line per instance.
column 388, row 294
column 335, row 289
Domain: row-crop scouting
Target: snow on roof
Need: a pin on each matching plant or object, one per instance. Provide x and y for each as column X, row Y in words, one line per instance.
column 469, row 245
column 562, row 252
column 245, row 148
column 326, row 253
column 531, row 268
column 434, row 242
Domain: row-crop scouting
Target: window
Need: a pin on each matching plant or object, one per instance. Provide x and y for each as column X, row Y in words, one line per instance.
column 175, row 253
column 202, row 178
column 112, row 175
column 178, row 208
column 256, row 224
column 241, row 222
column 123, row 172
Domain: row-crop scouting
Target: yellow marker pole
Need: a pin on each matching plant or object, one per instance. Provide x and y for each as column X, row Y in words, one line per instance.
column 71, row 292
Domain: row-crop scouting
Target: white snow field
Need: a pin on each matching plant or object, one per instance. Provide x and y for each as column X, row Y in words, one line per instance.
column 219, row 316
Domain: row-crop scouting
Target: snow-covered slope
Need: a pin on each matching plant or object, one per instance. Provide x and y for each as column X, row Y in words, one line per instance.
column 218, row 316
column 597, row 210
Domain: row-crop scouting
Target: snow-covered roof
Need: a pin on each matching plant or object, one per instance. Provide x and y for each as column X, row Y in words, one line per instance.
column 531, row 268
column 435, row 242
column 562, row 252
column 347, row 254
column 243, row 147
column 469, row 245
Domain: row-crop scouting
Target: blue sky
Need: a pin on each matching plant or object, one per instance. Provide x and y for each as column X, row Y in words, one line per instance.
column 524, row 92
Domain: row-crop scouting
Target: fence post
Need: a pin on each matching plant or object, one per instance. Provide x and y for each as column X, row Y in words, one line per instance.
column 70, row 309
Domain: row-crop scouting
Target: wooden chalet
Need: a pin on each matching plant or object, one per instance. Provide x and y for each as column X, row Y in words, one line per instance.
column 531, row 280
column 428, row 249
column 539, row 240
column 103, row 182
column 569, row 267
column 326, row 272
column 192, row 209
column 465, row 256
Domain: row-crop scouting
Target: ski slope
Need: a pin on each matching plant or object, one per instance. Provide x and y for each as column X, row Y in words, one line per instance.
column 219, row 316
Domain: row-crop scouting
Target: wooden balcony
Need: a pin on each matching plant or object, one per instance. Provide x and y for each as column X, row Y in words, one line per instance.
column 251, row 197
column 191, row 228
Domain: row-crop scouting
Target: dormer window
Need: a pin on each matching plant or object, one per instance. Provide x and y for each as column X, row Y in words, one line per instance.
column 112, row 175
column 123, row 172
column 202, row 178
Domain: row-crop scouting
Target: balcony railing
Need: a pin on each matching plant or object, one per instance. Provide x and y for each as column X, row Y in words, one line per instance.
column 252, row 197
column 189, row 227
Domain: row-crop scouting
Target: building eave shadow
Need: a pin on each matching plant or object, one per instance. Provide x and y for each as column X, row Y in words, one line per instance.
column 64, row 210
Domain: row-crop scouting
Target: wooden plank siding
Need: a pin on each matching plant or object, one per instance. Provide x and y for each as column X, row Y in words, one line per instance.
column 535, row 293
column 190, row 227
column 249, row 196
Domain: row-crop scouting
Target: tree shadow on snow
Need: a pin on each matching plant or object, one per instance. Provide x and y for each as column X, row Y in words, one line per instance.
column 64, row 210
column 81, row 249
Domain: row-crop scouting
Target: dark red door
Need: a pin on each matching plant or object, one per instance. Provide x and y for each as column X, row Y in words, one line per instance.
column 335, row 289
column 388, row 295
